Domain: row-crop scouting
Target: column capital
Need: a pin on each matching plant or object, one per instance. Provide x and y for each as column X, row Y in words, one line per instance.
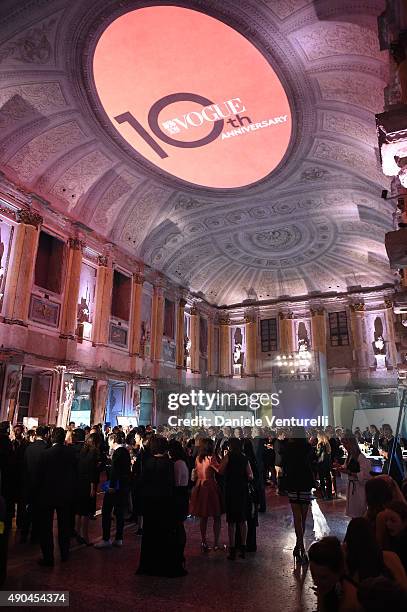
column 249, row 318
column 29, row 217
column 159, row 289
column 194, row 310
column 182, row 302
column 286, row 315
column 76, row 244
column 388, row 303
column 317, row 311
column 357, row 307
column 138, row 278
column 223, row 320
column 102, row 261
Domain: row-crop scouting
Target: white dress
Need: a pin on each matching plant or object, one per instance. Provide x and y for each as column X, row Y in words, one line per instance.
column 355, row 495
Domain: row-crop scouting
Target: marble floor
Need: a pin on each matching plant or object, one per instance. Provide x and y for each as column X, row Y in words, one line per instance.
column 106, row 580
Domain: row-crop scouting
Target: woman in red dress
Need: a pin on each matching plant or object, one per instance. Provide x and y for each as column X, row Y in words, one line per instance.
column 206, row 499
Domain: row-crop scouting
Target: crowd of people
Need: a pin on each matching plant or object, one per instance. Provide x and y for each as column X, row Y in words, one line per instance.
column 157, row 478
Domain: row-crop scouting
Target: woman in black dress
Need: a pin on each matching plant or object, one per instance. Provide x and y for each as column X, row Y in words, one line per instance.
column 237, row 471
column 299, row 481
column 88, row 478
column 159, row 554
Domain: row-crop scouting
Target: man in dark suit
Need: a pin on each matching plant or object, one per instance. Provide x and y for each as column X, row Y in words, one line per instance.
column 57, row 474
column 116, row 496
column 32, row 460
column 19, row 445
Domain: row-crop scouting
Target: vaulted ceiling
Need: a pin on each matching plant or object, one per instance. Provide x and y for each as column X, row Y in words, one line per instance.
column 315, row 224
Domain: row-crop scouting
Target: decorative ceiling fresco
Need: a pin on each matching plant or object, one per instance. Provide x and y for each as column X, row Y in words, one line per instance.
column 311, row 221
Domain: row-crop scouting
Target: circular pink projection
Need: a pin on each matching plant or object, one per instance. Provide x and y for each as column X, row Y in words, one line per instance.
column 193, row 96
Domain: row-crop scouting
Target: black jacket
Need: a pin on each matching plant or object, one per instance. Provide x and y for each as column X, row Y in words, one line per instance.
column 57, row 476
column 120, row 469
column 32, row 460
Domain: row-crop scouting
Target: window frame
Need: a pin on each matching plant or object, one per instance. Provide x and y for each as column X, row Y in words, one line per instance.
column 338, row 330
column 269, row 340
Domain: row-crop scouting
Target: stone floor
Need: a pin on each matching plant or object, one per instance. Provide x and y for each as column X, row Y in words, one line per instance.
column 105, row 579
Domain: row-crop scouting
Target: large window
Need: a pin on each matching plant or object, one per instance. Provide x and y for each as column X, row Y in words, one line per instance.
column 268, row 333
column 49, row 263
column 338, row 328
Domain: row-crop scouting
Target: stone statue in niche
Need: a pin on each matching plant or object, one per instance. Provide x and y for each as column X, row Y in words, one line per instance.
column 187, row 349
column 302, row 338
column 379, row 344
column 83, row 311
column 237, row 353
column 144, row 337
column 237, row 349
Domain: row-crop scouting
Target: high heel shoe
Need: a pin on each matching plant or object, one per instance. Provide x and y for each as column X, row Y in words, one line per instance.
column 304, row 558
column 296, row 551
column 204, row 547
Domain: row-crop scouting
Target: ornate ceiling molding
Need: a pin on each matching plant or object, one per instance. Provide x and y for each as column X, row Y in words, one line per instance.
column 260, row 242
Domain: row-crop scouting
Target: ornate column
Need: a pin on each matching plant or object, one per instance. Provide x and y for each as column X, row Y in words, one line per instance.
column 73, row 275
column 20, row 274
column 225, row 357
column 286, row 332
column 103, row 299
column 157, row 322
column 137, row 297
column 194, row 340
column 180, row 340
column 358, row 328
column 318, row 330
column 391, row 338
column 99, row 402
column 211, row 346
column 251, row 344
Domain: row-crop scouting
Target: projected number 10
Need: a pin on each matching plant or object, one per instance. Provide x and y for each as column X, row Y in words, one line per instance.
column 155, row 110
